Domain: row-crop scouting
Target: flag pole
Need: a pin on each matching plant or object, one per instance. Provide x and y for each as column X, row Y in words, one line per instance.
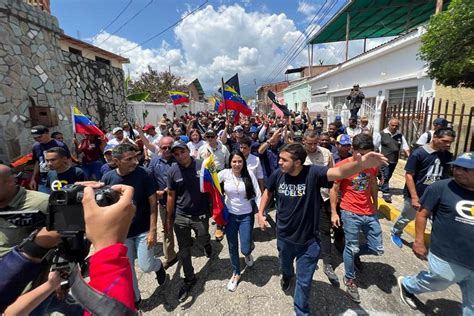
column 223, row 99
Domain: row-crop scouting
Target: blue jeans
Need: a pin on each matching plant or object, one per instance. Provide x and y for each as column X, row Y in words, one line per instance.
column 387, row 172
column 407, row 215
column 92, row 169
column 239, row 226
column 306, row 260
column 370, row 226
column 137, row 248
column 441, row 275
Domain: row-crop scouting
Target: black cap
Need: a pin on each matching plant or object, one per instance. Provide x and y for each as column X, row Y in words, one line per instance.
column 39, row 130
column 179, row 144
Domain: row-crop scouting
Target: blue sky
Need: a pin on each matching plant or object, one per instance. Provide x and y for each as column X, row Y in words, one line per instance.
column 224, row 37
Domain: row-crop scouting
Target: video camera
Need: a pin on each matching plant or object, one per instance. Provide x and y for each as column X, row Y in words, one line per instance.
column 66, row 216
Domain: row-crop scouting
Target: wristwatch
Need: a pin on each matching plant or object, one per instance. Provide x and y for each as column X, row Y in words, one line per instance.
column 29, row 247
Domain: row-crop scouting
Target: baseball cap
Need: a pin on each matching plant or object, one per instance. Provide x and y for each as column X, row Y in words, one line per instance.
column 39, row 130
column 184, row 138
column 117, row 129
column 338, row 117
column 238, row 128
column 178, row 144
column 210, row 132
column 344, row 139
column 108, row 148
column 253, row 129
column 148, row 126
column 465, row 160
column 440, row 121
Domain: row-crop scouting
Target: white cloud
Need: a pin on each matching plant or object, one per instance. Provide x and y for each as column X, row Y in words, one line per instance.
column 215, row 43
column 306, row 8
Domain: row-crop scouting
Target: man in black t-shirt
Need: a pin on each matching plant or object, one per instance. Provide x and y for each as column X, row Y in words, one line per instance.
column 450, row 258
column 298, row 202
column 188, row 209
column 141, row 238
column 425, row 166
column 60, row 171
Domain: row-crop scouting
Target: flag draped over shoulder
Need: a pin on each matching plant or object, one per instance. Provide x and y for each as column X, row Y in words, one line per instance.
column 210, row 184
column 281, row 107
column 83, row 125
column 178, row 97
column 233, row 101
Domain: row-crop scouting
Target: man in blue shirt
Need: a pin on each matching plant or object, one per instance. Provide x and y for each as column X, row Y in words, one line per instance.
column 141, row 238
column 450, row 203
column 159, row 166
column 43, row 142
column 425, row 166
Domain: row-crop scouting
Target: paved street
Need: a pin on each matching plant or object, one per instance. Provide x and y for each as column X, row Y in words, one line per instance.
column 259, row 290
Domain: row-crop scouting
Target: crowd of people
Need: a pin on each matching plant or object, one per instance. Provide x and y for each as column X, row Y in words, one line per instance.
column 322, row 182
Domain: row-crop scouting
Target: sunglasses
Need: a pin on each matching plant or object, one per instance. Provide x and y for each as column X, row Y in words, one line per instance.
column 210, row 136
column 165, row 147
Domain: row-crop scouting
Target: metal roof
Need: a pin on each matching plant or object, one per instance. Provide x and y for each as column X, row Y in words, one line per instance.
column 198, row 86
column 376, row 18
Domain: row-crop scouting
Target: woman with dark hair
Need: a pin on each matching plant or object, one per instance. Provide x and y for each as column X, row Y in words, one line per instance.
column 195, row 143
column 241, row 190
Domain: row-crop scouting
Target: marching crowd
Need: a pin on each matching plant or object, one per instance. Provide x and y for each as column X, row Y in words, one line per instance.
column 323, row 183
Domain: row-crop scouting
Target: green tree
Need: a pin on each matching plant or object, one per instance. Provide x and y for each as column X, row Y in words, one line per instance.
column 447, row 46
column 157, row 84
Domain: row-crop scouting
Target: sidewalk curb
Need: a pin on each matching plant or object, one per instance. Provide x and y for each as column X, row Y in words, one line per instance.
column 391, row 213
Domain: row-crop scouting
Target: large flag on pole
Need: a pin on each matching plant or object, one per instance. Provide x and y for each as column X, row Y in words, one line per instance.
column 234, row 101
column 210, row 184
column 217, row 106
column 234, row 83
column 178, row 97
column 81, row 124
column 281, row 107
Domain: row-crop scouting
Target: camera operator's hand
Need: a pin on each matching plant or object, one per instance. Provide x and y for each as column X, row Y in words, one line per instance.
column 106, row 226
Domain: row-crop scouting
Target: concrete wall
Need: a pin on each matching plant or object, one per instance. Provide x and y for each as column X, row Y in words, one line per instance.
column 35, row 71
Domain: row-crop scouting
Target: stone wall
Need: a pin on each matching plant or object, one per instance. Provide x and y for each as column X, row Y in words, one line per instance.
column 34, row 71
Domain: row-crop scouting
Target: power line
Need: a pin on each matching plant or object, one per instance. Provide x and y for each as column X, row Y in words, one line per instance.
column 294, row 43
column 128, row 21
column 116, row 18
column 166, row 29
column 297, row 51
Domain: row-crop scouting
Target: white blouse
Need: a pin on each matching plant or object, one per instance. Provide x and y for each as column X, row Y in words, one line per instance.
column 235, row 194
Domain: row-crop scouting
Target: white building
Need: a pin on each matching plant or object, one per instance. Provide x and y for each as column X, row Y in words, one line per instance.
column 391, row 71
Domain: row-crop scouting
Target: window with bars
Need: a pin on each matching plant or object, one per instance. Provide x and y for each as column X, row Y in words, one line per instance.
column 399, row 96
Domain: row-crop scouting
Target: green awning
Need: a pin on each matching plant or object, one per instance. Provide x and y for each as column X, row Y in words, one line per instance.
column 376, row 18
column 198, row 86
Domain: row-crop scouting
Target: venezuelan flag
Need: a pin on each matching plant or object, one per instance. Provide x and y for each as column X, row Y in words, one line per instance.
column 178, row 97
column 82, row 125
column 210, row 184
column 233, row 101
column 216, row 104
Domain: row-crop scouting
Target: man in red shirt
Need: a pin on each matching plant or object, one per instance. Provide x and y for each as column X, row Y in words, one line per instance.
column 358, row 213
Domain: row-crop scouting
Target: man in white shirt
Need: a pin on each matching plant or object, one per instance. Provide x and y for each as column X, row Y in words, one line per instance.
column 119, row 138
column 153, row 137
column 318, row 155
column 253, row 162
column 353, row 130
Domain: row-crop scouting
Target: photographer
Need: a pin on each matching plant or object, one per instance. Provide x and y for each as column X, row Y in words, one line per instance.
column 355, row 97
column 110, row 271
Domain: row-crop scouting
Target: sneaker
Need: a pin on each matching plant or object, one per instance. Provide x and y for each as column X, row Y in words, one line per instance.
column 161, row 276
column 351, row 289
column 396, row 240
column 184, row 290
column 219, row 234
column 171, row 263
column 332, row 277
column 387, row 198
column 208, row 250
column 406, row 296
column 285, row 283
column 358, row 264
column 249, row 260
column 233, row 282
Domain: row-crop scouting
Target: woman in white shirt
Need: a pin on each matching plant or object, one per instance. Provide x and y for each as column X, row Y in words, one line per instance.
column 241, row 190
column 195, row 143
